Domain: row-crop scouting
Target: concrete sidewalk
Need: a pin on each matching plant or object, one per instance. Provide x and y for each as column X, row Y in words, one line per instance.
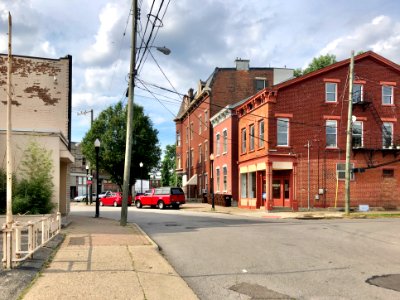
column 99, row 259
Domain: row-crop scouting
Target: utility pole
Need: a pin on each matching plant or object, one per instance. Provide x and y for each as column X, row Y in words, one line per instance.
column 9, row 216
column 308, row 173
column 129, row 129
column 349, row 136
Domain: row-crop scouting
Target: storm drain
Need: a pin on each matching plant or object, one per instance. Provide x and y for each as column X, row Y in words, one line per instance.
column 256, row 291
column 390, row 281
column 76, row 241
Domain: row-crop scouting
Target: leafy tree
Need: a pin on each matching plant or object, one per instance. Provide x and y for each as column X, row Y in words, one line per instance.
column 317, row 63
column 34, row 191
column 110, row 129
column 168, row 178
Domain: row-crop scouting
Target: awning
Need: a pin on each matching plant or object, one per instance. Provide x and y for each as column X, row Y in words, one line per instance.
column 192, row 180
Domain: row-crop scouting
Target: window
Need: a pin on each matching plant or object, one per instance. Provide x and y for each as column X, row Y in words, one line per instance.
column 243, row 185
column 357, row 93
column 388, row 173
column 187, row 159
column 387, row 135
column 387, row 95
column 283, row 132
column 330, row 92
column 187, row 135
column 225, row 174
column 225, row 136
column 217, row 144
column 341, row 171
column 244, row 140
column 200, row 124
column 178, row 138
column 261, row 134
column 218, row 177
column 200, row 154
column 191, row 157
column 191, row 131
column 178, row 162
column 205, row 182
column 331, row 134
column 252, row 185
column 205, row 150
column 251, row 138
column 260, row 84
column 206, row 117
column 357, row 134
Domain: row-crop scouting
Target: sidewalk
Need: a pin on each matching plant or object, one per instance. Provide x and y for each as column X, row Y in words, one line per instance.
column 99, row 259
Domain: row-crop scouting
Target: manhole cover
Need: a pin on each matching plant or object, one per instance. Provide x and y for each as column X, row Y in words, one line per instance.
column 76, row 241
column 256, row 291
column 390, row 281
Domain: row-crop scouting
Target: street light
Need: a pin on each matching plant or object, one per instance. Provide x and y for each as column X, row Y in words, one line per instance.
column 87, row 185
column 212, row 181
column 97, row 148
column 141, row 178
column 163, row 50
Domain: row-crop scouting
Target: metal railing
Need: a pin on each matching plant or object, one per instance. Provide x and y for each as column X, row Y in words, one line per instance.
column 23, row 239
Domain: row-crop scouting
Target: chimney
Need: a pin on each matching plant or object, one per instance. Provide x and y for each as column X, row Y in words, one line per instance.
column 242, row 64
column 190, row 94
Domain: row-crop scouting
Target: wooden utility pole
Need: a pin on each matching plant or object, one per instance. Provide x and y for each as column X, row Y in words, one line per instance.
column 349, row 136
column 129, row 129
column 9, row 216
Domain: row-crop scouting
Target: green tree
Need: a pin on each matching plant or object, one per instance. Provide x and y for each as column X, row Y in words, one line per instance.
column 34, row 191
column 168, row 177
column 317, row 63
column 110, row 129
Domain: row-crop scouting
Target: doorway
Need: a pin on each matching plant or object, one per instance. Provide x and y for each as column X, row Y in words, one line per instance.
column 281, row 190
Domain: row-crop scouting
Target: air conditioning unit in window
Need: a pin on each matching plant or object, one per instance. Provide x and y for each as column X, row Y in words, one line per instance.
column 204, row 191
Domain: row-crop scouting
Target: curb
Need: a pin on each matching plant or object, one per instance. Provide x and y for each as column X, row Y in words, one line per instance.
column 153, row 243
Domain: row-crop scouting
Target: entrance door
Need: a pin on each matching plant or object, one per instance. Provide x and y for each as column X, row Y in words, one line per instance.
column 281, row 191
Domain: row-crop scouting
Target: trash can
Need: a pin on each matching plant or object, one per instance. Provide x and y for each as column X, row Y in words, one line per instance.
column 228, row 200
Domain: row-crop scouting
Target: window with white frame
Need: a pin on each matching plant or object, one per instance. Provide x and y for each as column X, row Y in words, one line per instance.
column 217, row 144
column 261, row 83
column 387, row 95
column 217, row 178
column 251, row 185
column 178, row 138
column 251, row 137
column 283, row 132
column 331, row 133
column 261, row 134
column 357, row 134
column 387, row 134
column 243, row 134
column 225, row 177
column 341, row 171
column 357, row 93
column 243, row 185
column 330, row 92
column 225, row 137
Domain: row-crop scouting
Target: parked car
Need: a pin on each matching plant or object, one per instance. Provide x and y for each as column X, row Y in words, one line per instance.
column 83, row 198
column 162, row 197
column 106, row 193
column 114, row 199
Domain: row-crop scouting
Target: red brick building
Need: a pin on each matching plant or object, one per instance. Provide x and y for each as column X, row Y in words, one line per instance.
column 292, row 138
column 193, row 132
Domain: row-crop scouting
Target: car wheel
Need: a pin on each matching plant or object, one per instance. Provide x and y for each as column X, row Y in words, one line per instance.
column 115, row 204
column 101, row 203
column 138, row 204
column 161, row 204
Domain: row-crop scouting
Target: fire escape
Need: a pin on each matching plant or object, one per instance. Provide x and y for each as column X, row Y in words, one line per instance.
column 384, row 143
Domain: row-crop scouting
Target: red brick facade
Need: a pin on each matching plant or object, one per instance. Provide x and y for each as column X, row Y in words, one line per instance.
column 310, row 113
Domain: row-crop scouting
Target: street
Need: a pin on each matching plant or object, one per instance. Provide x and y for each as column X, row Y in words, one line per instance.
column 234, row 257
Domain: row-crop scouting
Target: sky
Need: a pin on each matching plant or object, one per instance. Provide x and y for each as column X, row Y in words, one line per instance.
column 201, row 35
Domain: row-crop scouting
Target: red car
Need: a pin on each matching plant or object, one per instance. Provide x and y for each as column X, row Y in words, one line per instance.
column 162, row 197
column 114, row 199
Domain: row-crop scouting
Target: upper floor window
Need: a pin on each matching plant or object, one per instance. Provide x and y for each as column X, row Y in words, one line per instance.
column 387, row 134
column 341, row 171
column 178, row 138
column 218, row 178
column 261, row 134
column 191, row 157
column 205, row 150
column 225, row 178
column 331, row 133
column 357, row 93
column 218, row 146
column 225, row 136
column 387, row 95
column 187, row 159
column 283, row 132
column 261, row 84
column 178, row 162
column 200, row 121
column 243, row 140
column 357, row 134
column 191, row 131
column 251, row 137
column 330, row 92
column 200, row 153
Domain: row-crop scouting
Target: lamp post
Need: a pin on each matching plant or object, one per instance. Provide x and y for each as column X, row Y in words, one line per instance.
column 87, row 185
column 97, row 148
column 212, row 181
column 141, row 177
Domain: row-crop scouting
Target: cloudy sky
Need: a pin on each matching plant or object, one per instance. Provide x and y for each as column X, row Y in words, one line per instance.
column 202, row 35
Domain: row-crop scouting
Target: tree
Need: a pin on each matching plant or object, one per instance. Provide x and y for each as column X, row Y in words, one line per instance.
column 168, row 166
column 34, row 191
column 110, row 129
column 317, row 63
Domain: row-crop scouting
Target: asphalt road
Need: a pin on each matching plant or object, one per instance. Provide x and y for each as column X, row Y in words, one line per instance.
column 232, row 257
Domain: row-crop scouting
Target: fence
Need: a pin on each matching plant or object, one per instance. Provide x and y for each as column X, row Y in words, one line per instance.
column 23, row 239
